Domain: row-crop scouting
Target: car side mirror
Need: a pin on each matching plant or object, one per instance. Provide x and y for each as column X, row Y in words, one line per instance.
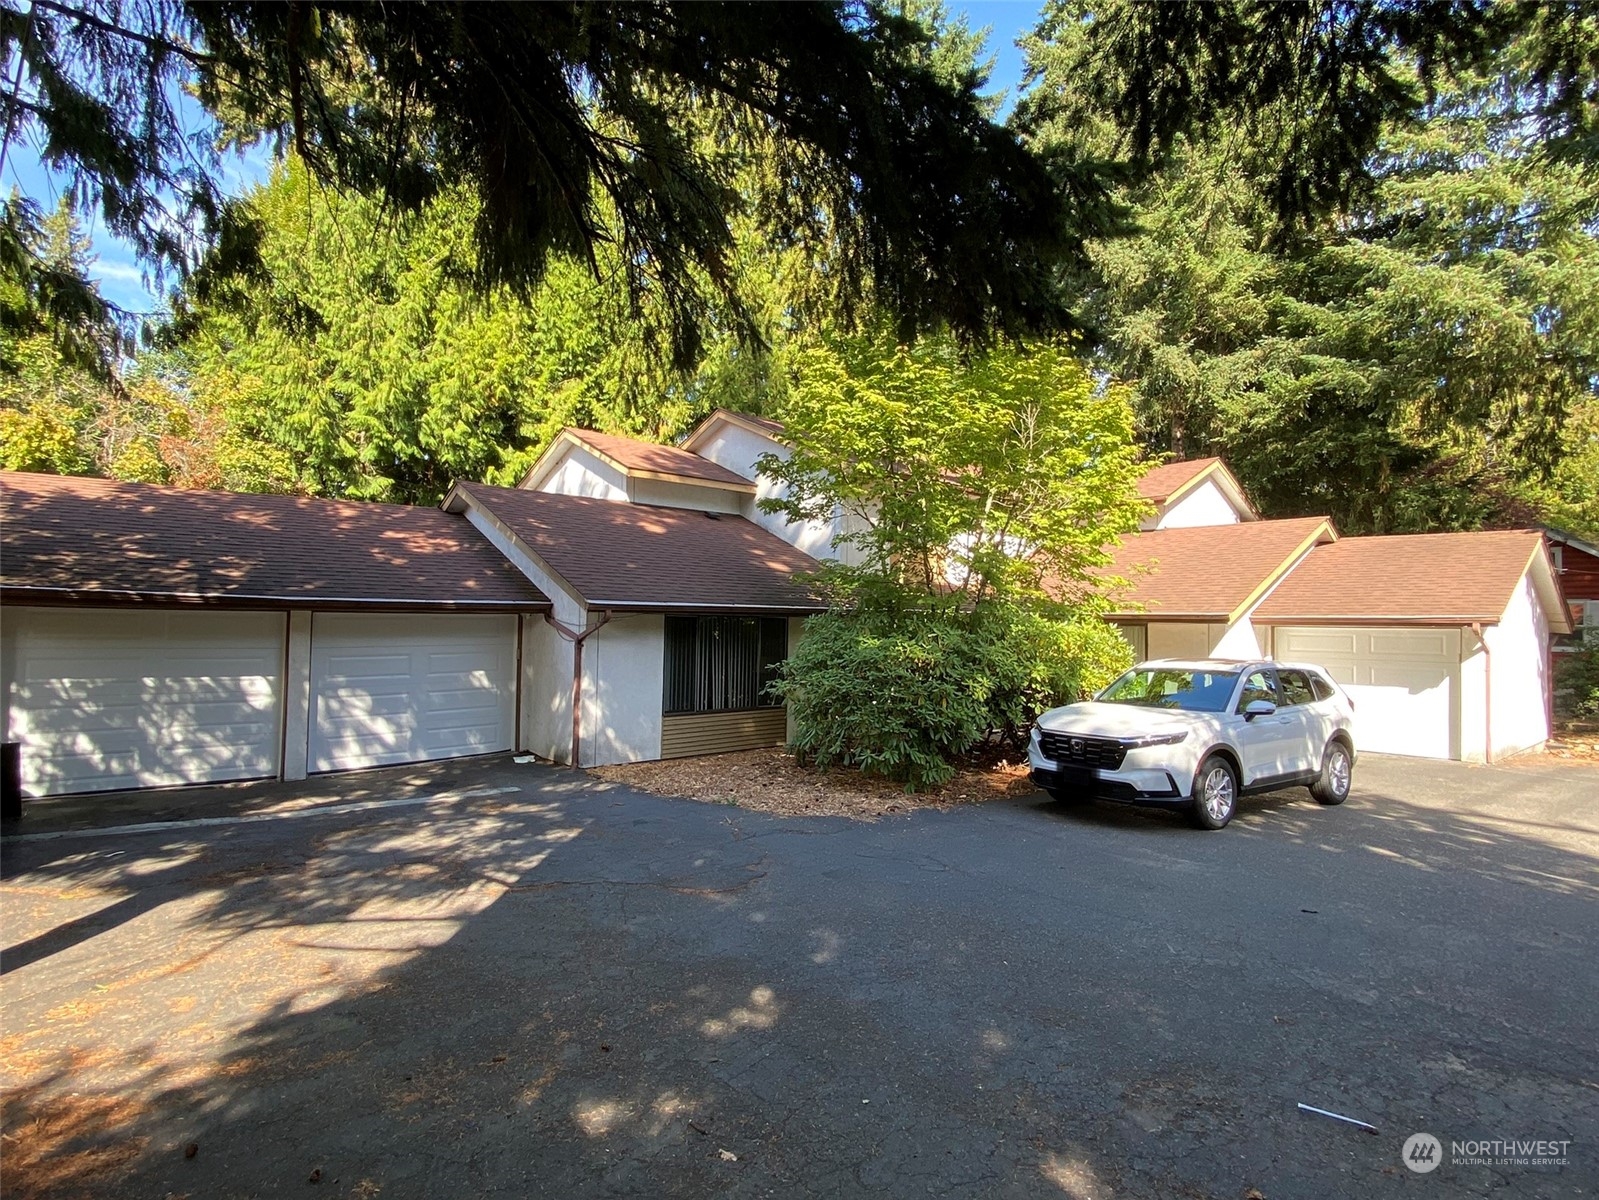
column 1258, row 708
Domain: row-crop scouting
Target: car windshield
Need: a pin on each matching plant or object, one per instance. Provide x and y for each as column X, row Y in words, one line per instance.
column 1173, row 687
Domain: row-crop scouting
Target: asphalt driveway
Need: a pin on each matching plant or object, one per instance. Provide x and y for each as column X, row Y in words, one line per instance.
column 491, row 979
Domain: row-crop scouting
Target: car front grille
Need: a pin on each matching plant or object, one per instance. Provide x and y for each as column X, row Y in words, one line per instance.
column 1106, row 754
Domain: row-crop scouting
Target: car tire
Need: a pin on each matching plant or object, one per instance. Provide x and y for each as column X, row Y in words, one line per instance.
column 1337, row 771
column 1215, row 798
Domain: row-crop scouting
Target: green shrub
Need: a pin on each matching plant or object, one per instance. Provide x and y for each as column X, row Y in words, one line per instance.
column 1047, row 662
column 900, row 692
column 1577, row 682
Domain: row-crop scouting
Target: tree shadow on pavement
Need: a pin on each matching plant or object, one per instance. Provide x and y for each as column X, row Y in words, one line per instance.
column 578, row 990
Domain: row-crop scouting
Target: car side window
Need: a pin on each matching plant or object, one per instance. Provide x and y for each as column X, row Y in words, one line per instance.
column 1323, row 689
column 1257, row 687
column 1296, row 687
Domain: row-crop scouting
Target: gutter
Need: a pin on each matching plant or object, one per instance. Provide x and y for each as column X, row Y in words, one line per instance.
column 32, row 594
column 1442, row 622
column 702, row 606
column 577, row 639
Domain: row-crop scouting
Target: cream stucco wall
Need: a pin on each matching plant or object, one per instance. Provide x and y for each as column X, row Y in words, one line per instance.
column 685, row 495
column 1207, row 504
column 1238, row 640
column 738, row 450
column 1519, row 670
column 623, row 665
column 546, row 691
column 580, row 473
column 1182, row 639
column 1194, row 639
column 546, row 721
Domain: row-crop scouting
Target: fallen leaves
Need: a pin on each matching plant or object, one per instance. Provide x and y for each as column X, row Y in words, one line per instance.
column 1583, row 748
column 64, row 1145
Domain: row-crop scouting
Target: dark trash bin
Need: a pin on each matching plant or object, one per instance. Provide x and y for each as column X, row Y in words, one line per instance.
column 10, row 781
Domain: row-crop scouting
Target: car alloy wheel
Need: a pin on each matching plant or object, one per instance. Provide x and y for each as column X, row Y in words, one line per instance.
column 1337, row 771
column 1215, row 793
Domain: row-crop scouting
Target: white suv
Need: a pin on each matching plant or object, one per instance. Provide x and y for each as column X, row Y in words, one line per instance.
column 1199, row 735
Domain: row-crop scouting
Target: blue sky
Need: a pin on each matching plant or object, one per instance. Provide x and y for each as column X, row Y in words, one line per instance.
column 122, row 279
column 1008, row 20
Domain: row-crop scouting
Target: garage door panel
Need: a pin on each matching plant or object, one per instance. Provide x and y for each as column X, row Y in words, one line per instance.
column 144, row 699
column 1403, row 682
column 455, row 663
column 1307, row 644
column 1342, row 673
column 352, row 704
column 372, row 666
column 1424, row 644
column 407, row 689
column 466, row 699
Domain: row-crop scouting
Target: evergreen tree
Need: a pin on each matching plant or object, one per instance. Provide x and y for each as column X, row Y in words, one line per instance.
column 1417, row 359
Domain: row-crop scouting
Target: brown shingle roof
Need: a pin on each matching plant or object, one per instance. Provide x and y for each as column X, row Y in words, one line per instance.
column 645, row 557
column 766, row 423
column 633, row 455
column 1210, row 572
column 760, row 424
column 1159, row 483
column 1409, row 577
column 68, row 537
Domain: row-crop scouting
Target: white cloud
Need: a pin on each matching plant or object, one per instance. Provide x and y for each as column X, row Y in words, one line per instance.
column 117, row 272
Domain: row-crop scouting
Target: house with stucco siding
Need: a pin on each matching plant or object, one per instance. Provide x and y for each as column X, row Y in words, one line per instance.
column 630, row 601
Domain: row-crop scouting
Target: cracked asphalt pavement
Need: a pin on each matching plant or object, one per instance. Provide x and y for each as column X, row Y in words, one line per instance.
column 498, row 980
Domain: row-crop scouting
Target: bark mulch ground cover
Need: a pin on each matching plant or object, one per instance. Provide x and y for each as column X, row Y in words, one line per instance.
column 770, row 781
column 1575, row 745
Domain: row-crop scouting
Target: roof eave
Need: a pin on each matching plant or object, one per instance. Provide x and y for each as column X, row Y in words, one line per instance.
column 708, row 607
column 701, row 432
column 1444, row 620
column 108, row 597
column 1174, row 617
column 536, row 474
column 1225, row 479
column 1555, row 534
column 1546, row 582
column 746, row 487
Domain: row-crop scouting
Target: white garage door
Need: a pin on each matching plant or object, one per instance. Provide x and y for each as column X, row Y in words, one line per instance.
column 118, row 699
column 409, row 688
column 1405, row 683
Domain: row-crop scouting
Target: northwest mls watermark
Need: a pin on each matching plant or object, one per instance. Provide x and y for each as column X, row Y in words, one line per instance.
column 1423, row 1152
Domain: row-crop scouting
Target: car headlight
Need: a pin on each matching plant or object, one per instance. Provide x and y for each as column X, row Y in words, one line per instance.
column 1156, row 739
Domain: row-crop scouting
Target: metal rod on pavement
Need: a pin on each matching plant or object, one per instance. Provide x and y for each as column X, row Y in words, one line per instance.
column 1322, row 1112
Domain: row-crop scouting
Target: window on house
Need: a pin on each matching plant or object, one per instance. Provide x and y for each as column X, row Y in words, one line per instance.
column 722, row 664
